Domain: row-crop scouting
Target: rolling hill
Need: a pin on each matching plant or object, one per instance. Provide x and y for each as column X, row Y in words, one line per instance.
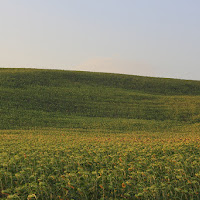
column 33, row 98
column 83, row 135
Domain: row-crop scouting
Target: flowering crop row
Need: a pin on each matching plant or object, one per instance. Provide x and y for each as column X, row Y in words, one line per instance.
column 60, row 165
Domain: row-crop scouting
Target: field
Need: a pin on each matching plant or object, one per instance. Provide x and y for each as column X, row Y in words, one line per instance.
column 85, row 136
column 60, row 164
column 67, row 99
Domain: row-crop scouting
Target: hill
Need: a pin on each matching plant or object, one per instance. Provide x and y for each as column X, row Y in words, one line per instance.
column 33, row 98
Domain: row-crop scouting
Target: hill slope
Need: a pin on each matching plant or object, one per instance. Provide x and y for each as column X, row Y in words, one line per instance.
column 66, row 99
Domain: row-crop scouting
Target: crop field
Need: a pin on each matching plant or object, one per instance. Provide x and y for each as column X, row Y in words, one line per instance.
column 67, row 135
column 75, row 164
column 67, row 99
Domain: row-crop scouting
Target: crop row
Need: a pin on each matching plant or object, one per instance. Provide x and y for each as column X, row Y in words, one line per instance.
column 86, row 166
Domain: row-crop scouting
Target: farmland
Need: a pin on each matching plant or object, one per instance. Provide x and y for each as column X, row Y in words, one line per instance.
column 81, row 135
column 58, row 165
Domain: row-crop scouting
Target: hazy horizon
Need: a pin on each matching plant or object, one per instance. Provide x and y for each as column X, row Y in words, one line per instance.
column 147, row 38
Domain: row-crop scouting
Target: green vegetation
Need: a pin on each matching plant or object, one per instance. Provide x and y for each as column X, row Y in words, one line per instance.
column 80, row 135
column 52, row 98
column 55, row 164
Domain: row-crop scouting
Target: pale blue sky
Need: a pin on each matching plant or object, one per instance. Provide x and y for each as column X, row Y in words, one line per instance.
column 143, row 37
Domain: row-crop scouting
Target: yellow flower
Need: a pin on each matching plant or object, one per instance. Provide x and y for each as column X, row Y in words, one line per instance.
column 123, row 185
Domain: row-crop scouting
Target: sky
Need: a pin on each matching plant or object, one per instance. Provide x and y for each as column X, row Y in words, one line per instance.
column 159, row 38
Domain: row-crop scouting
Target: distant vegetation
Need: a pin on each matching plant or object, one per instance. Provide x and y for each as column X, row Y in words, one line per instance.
column 33, row 98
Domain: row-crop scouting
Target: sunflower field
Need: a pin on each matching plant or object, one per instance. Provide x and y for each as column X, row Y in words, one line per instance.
column 64, row 164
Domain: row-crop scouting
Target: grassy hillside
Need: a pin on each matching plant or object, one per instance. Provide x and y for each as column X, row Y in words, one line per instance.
column 33, row 98
column 72, row 151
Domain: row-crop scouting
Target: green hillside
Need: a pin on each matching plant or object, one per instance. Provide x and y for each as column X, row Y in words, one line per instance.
column 83, row 135
column 32, row 98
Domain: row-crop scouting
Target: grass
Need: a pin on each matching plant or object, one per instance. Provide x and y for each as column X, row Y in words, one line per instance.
column 52, row 98
column 80, row 135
